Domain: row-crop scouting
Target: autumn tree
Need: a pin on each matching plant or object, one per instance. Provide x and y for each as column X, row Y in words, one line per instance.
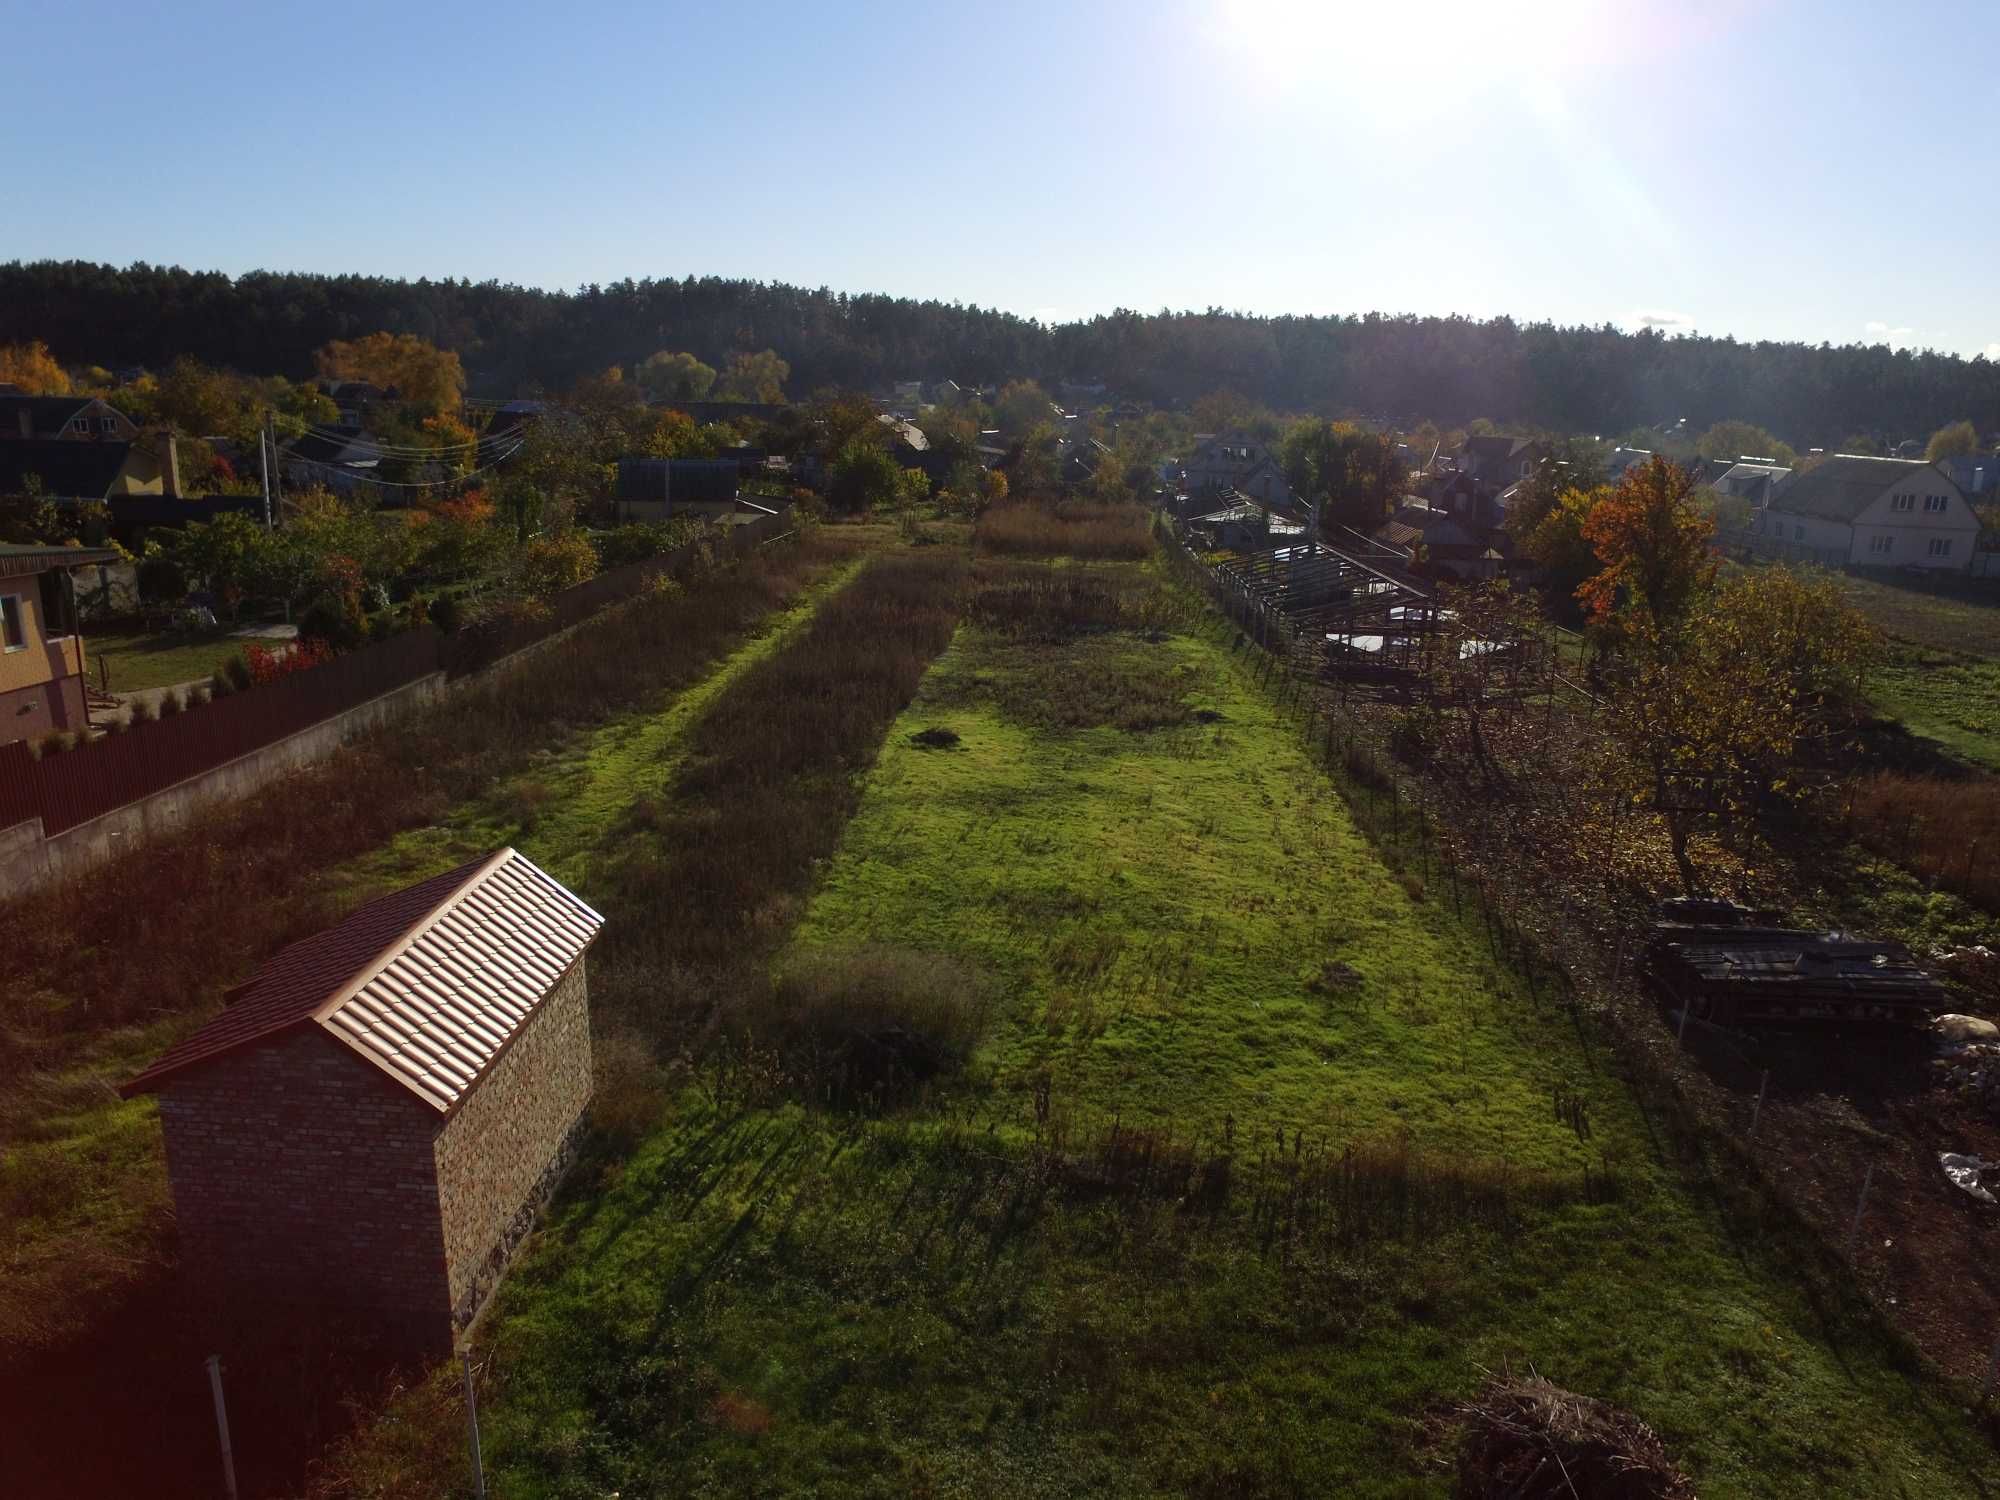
column 864, row 477
column 1725, row 709
column 31, row 367
column 1733, row 440
column 756, row 377
column 1557, row 545
column 422, row 375
column 1352, row 475
column 1653, row 543
column 669, row 376
column 1957, row 440
column 1572, row 464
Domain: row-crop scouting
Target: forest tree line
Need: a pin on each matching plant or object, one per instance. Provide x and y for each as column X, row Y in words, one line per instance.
column 1394, row 370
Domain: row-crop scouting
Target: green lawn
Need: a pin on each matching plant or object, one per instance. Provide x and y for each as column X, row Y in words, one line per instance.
column 1950, row 697
column 1002, row 1290
column 164, row 660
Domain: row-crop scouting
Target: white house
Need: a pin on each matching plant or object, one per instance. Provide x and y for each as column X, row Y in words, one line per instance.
column 1884, row 512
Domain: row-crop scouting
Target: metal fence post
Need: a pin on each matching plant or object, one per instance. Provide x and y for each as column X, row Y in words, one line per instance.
column 1757, row 1109
column 471, row 1426
column 1854, row 1229
column 222, row 1425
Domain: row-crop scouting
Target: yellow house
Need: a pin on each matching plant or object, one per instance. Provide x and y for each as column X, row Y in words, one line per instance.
column 41, row 647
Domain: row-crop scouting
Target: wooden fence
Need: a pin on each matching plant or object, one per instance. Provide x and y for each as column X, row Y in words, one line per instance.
column 70, row 787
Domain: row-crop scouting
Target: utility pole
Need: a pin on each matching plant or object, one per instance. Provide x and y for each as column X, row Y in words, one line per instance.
column 264, row 465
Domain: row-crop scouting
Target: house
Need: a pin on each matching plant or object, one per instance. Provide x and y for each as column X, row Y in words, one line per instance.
column 1889, row 512
column 41, row 648
column 1974, row 473
column 1623, row 458
column 1440, row 544
column 355, row 398
column 372, row 1123
column 1498, row 461
column 69, row 419
column 1752, row 481
column 651, row 489
column 338, row 457
column 1236, row 461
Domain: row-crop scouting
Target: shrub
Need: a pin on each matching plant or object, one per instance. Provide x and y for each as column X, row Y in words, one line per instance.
column 446, row 612
column 328, row 620
column 627, row 1098
column 865, row 1023
column 171, row 703
column 641, row 540
column 238, row 672
column 161, row 580
column 143, row 711
column 54, row 744
column 220, row 686
column 550, row 564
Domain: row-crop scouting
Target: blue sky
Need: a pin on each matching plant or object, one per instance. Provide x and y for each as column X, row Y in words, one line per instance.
column 1762, row 168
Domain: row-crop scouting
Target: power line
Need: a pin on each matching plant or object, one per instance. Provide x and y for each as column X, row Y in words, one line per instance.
column 397, row 484
column 413, row 450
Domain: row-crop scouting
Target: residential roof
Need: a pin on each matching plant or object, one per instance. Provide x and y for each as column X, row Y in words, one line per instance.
column 428, row 984
column 16, row 558
column 46, row 414
column 83, row 469
column 334, row 443
column 686, row 481
column 1840, row 488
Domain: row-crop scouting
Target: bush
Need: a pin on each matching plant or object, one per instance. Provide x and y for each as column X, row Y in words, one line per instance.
column 54, row 744
column 550, row 564
column 447, row 613
column 866, row 1023
column 220, row 686
column 1024, row 529
column 161, row 580
column 641, row 540
column 171, row 703
column 238, row 672
column 327, row 620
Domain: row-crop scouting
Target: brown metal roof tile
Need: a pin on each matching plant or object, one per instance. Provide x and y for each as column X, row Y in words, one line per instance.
column 429, row 984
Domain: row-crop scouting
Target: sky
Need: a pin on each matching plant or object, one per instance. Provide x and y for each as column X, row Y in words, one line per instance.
column 1757, row 168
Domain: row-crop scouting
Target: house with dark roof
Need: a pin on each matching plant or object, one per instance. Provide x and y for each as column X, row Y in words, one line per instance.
column 41, row 644
column 652, row 489
column 1235, row 461
column 1440, row 544
column 70, row 419
column 1750, row 480
column 1882, row 512
column 373, row 1121
column 1498, row 461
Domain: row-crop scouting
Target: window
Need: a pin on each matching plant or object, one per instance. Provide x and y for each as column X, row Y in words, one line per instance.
column 1940, row 546
column 79, row 424
column 107, row 424
column 1904, row 502
column 12, row 636
column 1798, row 533
column 1933, row 504
column 1881, row 546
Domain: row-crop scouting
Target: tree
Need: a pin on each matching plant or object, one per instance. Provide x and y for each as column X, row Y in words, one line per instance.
column 1733, row 440
column 224, row 556
column 757, row 377
column 422, row 375
column 1653, row 543
column 550, row 564
column 1572, row 464
column 1558, row 546
column 1351, row 474
column 1482, row 653
column 668, row 376
column 1718, row 713
column 862, row 477
column 1860, row 442
column 1958, row 440
column 1021, row 407
column 33, row 369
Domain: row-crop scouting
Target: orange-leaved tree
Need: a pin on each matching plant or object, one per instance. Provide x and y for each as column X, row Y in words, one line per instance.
column 1654, row 544
column 423, row 376
column 33, row 369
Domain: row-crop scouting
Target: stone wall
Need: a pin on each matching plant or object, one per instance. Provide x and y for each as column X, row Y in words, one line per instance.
column 504, row 1151
column 303, row 1174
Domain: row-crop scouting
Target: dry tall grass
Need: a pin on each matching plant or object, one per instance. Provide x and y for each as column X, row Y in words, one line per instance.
column 1089, row 530
column 1946, row 832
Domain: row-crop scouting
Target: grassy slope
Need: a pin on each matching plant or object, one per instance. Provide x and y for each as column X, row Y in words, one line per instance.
column 88, row 1179
column 762, row 1301
column 1953, row 699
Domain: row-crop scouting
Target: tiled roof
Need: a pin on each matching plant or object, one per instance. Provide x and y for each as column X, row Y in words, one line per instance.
column 1840, row 488
column 429, row 984
column 37, row 558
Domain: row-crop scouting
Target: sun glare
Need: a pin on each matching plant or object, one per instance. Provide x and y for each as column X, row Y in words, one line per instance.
column 1468, row 45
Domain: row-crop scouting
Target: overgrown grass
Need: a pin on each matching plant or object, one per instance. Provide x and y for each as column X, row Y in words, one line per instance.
column 1259, row 1162
column 1074, row 528
column 1947, row 833
column 107, row 971
column 1951, row 698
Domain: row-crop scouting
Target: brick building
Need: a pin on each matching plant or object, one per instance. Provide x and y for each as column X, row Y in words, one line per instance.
column 374, row 1121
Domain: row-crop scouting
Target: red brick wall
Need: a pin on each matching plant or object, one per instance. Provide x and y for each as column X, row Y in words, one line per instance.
column 502, row 1153
column 301, row 1172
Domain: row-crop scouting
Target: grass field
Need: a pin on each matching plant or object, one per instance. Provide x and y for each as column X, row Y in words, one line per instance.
column 150, row 661
column 1259, row 1161
column 1950, row 697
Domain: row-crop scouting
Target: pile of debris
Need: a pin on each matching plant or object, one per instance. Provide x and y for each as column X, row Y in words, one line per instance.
column 1531, row 1440
column 1968, row 1059
column 1977, row 967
